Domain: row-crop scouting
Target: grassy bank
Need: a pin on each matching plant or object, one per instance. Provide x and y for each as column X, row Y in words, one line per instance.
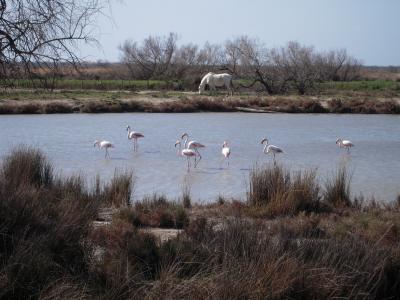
column 292, row 238
column 330, row 87
column 89, row 84
column 157, row 102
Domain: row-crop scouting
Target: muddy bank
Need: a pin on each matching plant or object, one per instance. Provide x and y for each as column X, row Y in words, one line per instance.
column 188, row 104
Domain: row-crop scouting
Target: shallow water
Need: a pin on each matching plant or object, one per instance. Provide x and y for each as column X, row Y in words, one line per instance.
column 307, row 139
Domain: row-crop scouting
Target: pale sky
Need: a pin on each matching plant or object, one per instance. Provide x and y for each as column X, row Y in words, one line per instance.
column 368, row 29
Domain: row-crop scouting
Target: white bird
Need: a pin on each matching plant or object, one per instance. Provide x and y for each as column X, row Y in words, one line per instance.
column 344, row 144
column 188, row 153
column 135, row 136
column 193, row 145
column 226, row 151
column 270, row 148
column 104, row 145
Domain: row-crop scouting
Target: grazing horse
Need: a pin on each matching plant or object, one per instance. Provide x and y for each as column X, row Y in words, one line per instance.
column 214, row 80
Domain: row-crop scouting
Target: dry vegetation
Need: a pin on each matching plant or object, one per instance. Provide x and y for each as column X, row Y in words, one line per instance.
column 181, row 103
column 292, row 238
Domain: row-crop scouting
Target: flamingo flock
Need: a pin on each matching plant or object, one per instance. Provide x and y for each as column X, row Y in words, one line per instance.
column 191, row 147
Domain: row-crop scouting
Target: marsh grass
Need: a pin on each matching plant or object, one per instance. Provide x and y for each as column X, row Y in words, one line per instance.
column 118, row 192
column 156, row 211
column 337, row 188
column 274, row 191
column 186, row 196
column 49, row 248
column 243, row 260
column 45, row 222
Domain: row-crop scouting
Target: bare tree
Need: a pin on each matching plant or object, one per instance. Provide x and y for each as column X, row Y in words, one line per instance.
column 351, row 69
column 330, row 63
column 152, row 58
column 210, row 58
column 254, row 63
column 231, row 60
column 337, row 65
column 297, row 63
column 184, row 61
column 37, row 34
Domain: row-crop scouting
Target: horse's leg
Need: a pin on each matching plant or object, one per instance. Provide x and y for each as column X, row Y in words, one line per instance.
column 211, row 85
column 228, row 89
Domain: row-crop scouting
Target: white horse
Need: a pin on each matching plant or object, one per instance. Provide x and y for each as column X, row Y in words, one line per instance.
column 214, row 80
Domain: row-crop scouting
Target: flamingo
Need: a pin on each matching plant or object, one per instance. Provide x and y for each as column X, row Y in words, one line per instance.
column 186, row 152
column 270, row 148
column 344, row 144
column 135, row 136
column 105, row 145
column 226, row 151
column 193, row 145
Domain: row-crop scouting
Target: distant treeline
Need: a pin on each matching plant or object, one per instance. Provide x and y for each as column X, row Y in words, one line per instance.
column 293, row 68
column 276, row 70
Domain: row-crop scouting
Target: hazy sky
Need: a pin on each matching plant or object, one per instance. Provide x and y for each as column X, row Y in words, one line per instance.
column 368, row 29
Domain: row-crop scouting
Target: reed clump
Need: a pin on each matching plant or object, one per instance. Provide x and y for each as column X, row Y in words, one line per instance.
column 274, row 191
column 337, row 189
column 156, row 211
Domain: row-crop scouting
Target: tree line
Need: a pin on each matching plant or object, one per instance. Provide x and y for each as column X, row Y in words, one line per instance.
column 38, row 38
column 276, row 70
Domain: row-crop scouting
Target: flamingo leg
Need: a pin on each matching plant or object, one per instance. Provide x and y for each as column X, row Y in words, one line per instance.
column 196, row 163
column 188, row 164
column 105, row 156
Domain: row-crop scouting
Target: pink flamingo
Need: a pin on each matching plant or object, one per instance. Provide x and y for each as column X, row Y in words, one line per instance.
column 270, row 148
column 193, row 145
column 344, row 144
column 226, row 151
column 104, row 145
column 188, row 153
column 135, row 136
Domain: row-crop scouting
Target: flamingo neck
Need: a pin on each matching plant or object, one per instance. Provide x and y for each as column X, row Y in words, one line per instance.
column 265, row 148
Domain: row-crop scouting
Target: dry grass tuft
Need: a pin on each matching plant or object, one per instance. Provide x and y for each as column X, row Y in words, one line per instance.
column 275, row 191
column 337, row 189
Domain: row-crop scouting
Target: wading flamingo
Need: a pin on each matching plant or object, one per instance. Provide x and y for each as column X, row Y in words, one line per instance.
column 270, row 148
column 104, row 145
column 135, row 136
column 193, row 145
column 188, row 153
column 344, row 144
column 226, row 151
